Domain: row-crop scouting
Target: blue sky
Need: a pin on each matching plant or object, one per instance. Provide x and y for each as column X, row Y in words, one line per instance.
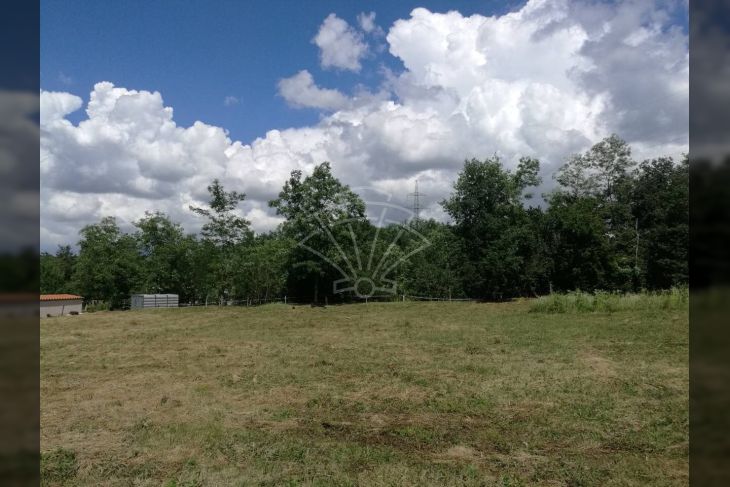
column 197, row 53
column 388, row 106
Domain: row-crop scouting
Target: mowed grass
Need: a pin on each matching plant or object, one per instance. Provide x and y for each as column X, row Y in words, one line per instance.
column 370, row 394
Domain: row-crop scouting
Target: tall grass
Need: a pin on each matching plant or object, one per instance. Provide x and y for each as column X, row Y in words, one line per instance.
column 608, row 302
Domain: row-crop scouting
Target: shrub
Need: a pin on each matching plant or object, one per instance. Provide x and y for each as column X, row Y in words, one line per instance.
column 97, row 306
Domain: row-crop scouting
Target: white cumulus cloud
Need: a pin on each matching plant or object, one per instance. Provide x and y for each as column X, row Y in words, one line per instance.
column 300, row 91
column 366, row 21
column 340, row 46
column 547, row 80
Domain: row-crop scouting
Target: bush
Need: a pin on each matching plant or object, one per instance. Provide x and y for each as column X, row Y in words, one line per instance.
column 610, row 302
column 97, row 306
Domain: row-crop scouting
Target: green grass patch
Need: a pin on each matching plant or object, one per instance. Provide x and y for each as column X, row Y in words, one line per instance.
column 58, row 467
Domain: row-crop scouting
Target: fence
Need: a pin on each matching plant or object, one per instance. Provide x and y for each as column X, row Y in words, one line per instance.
column 293, row 300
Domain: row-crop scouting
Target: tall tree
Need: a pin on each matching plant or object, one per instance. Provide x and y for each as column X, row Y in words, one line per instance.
column 108, row 265
column 602, row 178
column 224, row 227
column 263, row 267
column 435, row 270
column 222, row 233
column 577, row 244
column 540, row 266
column 661, row 209
column 57, row 270
column 599, row 171
column 51, row 275
column 167, row 253
column 320, row 213
column 486, row 207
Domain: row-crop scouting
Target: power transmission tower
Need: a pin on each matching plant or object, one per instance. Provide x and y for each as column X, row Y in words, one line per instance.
column 416, row 203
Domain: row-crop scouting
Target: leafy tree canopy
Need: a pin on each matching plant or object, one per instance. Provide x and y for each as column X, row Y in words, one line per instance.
column 224, row 228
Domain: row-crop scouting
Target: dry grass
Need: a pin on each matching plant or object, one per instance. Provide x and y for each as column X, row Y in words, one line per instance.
column 376, row 394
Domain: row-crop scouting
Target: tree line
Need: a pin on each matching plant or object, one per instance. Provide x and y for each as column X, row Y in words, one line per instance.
column 612, row 223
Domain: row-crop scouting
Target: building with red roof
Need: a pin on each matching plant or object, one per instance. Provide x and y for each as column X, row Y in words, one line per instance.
column 60, row 304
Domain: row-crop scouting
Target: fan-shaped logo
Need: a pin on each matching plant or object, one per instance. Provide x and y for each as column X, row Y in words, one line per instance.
column 367, row 261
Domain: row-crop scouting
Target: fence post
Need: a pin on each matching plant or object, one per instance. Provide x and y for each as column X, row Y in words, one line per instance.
column 284, row 299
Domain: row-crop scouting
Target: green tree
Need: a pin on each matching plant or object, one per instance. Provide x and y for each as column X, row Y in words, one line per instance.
column 599, row 171
column 167, row 254
column 222, row 234
column 320, row 213
column 661, row 209
column 203, row 273
column 492, row 224
column 539, row 266
column 56, row 271
column 51, row 274
column 264, row 267
column 436, row 270
column 576, row 242
column 224, row 228
column 602, row 176
column 108, row 264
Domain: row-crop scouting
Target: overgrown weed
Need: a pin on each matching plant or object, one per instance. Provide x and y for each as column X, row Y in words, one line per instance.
column 610, row 302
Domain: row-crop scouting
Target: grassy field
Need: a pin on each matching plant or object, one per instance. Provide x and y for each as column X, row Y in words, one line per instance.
column 369, row 394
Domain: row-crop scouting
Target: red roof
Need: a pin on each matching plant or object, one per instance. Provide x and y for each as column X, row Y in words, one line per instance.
column 59, row 297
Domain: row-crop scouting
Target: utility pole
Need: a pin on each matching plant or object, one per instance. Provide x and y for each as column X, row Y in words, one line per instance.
column 416, row 203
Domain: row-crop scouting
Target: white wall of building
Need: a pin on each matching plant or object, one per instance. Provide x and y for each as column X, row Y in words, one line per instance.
column 60, row 307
